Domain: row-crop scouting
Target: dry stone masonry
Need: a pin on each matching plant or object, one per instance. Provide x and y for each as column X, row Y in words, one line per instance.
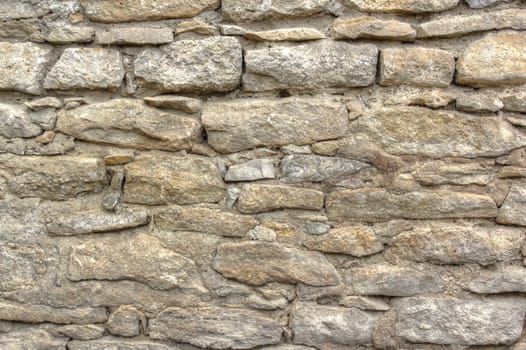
column 262, row 174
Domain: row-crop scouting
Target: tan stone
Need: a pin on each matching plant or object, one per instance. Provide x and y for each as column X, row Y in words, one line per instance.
column 180, row 103
column 513, row 210
column 372, row 28
column 197, row 26
column 255, row 198
column 403, row 6
column 508, row 172
column 22, row 267
column 353, row 240
column 242, row 10
column 286, row 34
column 135, row 36
column 441, row 172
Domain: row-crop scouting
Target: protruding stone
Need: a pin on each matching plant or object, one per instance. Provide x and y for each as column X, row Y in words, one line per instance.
column 509, row 279
column 21, row 9
column 513, row 210
column 406, row 6
column 180, row 103
column 126, row 321
column 256, row 198
column 316, row 228
column 16, row 122
column 255, row 169
column 514, row 99
column 135, row 36
column 285, row 34
column 300, row 168
column 241, row 10
column 372, row 28
column 353, row 240
column 82, row 332
column 23, row 266
column 257, row 263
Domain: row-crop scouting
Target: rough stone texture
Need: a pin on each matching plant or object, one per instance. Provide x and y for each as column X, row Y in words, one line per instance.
column 513, row 210
column 288, row 34
column 23, row 266
column 241, row 10
column 204, row 65
column 65, row 34
column 16, row 122
column 135, row 36
column 300, row 168
column 354, row 240
column 441, row 173
column 483, row 3
column 216, row 328
column 260, row 198
column 126, row 321
column 255, row 169
column 509, row 279
column 117, row 343
column 403, row 6
column 82, row 332
column 32, row 339
column 372, row 28
column 180, row 103
column 464, row 322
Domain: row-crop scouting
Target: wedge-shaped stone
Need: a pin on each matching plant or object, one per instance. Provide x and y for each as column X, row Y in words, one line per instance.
column 258, row 263
column 513, row 210
column 34, row 313
column 380, row 205
column 242, row 10
column 416, row 66
column 392, row 280
column 249, row 123
column 141, row 258
column 109, row 11
column 15, row 122
column 299, row 168
column 353, row 240
column 372, row 28
column 110, row 343
column 509, row 279
column 256, row 198
column 22, row 266
column 438, row 134
column 155, row 180
column 310, row 66
column 130, row 123
column 87, row 222
column 286, row 34
column 403, row 6
column 452, row 26
column 199, row 219
column 31, row 339
column 135, row 36
column 216, row 327
column 56, row 178
column 23, row 66
column 323, row 326
column 444, row 243
column 441, row 173
column 490, row 321
column 498, row 59
column 205, row 65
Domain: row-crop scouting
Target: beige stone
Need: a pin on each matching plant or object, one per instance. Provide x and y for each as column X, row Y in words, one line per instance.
column 353, row 240
column 242, row 10
column 441, row 173
column 197, row 26
column 23, row 266
column 286, row 34
column 372, row 28
column 255, row 198
column 403, row 6
column 179, row 103
column 513, row 210
column 135, row 36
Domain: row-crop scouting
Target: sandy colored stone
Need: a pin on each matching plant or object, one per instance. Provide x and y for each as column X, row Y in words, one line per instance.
column 255, row 198
column 82, row 332
column 197, row 26
column 242, row 10
column 21, row 9
column 353, row 240
column 403, row 6
column 135, row 36
column 126, row 321
column 513, row 210
column 22, row 267
column 31, row 339
column 42, row 103
column 508, row 172
column 365, row 303
column 477, row 4
column 508, row 279
column 479, row 103
column 372, row 28
column 285, row 34
column 66, row 34
column 180, row 103
column 441, row 173
column 108, row 343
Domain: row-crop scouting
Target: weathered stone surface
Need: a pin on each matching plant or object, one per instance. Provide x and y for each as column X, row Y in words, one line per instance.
column 180, row 103
column 508, row 172
column 135, row 36
column 479, row 103
column 514, row 99
column 261, row 233
column 372, row 28
column 416, row 66
column 452, row 26
column 323, row 326
column 255, row 169
column 441, row 173
column 95, row 68
column 82, row 332
column 21, row 9
column 140, row 258
column 438, row 134
column 285, row 34
column 130, row 123
column 365, row 303
column 299, row 168
column 257, row 263
column 241, row 10
column 32, row 59
column 108, row 343
column 39, row 104
column 197, row 26
column 509, row 279
column 498, row 59
column 206, row 65
column 54, row 178
column 66, row 34
column 353, row 240
column 164, row 179
column 16, row 122
column 464, row 322
column 22, row 266
column 33, row 313
column 60, row 144
column 137, row 10
column 21, row 29
column 216, row 328
column 33, row 339
column 404, row 6
column 255, row 198
column 443, row 243
column 199, row 219
column 513, row 210
column 381, row 205
column 392, row 280
column 477, row 4
column 248, row 123
column 310, row 66
column 126, row 321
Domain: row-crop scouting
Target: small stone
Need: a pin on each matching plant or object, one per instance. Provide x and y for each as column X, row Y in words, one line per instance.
column 126, row 321
column 243, row 11
column 48, row 143
column 413, row 96
column 516, row 158
column 82, row 332
column 95, row 68
column 510, row 172
column 66, row 34
column 16, row 122
column 118, row 158
column 252, row 170
column 261, row 233
column 44, row 103
column 366, row 27
column 477, row 4
column 232, row 194
column 439, row 172
column 407, row 6
column 293, row 149
column 21, row 9
column 46, row 137
column 285, row 34
column 354, row 240
column 513, row 210
column 316, row 228
column 227, row 29
column 364, row 303
column 23, row 266
column 108, row 343
column 301, row 168
column 21, row 29
column 514, row 100
column 180, row 103
column 257, row 302
column 110, row 200
column 484, row 103
column 197, row 26
column 135, row 36
column 45, row 118
column 256, row 198
column 509, row 279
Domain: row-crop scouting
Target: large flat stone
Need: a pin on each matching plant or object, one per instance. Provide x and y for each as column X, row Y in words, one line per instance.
column 299, row 168
column 366, row 27
column 257, row 263
column 441, row 173
column 353, row 240
column 325, row 64
column 505, row 280
column 495, row 60
column 403, row 6
column 216, row 327
column 465, row 322
column 31, row 59
column 256, row 198
column 248, row 123
column 242, row 10
column 31, row 339
column 110, row 343
column 22, row 266
column 21, row 9
column 130, row 123
column 513, row 210
column 205, row 65
column 16, row 122
column 155, row 180
column 380, row 205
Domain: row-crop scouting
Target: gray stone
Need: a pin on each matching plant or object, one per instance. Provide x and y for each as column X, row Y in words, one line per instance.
column 366, row 27
column 316, row 228
column 32, row 59
column 261, row 233
column 95, row 68
column 61, row 33
column 248, row 123
column 507, row 279
column 241, row 10
column 439, row 172
column 477, row 4
column 443, row 243
column 206, row 65
column 59, row 145
column 465, row 322
column 256, row 198
column 300, row 168
column 31, row 339
column 353, row 240
column 180, row 103
column 130, row 123
column 323, row 326
column 44, row 103
column 21, row 29
column 364, row 303
column 82, row 332
column 110, row 343
column 287, row 347
column 126, row 321
column 479, row 103
column 514, row 99
column 513, row 210
column 325, row 64
column 405, row 6
column 257, row 263
column 285, row 34
column 15, row 122
column 45, row 118
column 252, row 170
column 21, row 9
column 135, row 36
column 22, row 267
column 197, row 26
column 216, row 327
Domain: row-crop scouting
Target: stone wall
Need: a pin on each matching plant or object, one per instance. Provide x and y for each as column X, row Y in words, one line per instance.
column 273, row 174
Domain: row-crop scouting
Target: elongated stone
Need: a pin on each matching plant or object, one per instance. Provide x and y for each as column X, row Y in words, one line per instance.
column 285, row 34
column 513, row 210
column 205, row 65
column 372, row 28
column 467, row 322
column 66, row 34
column 108, row 343
column 477, row 4
column 16, row 122
column 255, row 198
column 82, row 332
column 255, row 169
column 155, row 180
column 258, row 262
column 353, row 240
column 180, row 103
column 249, row 123
column 241, row 10
column 135, row 36
column 21, row 9
column 509, row 279
column 299, row 168
column 405, row 6
column 441, row 173
column 130, row 123
column 23, row 266
column 31, row 339
column 141, row 258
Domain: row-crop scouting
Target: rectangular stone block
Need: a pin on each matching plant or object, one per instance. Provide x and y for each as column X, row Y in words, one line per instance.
column 135, row 36
column 252, row 10
column 403, row 6
column 256, row 198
